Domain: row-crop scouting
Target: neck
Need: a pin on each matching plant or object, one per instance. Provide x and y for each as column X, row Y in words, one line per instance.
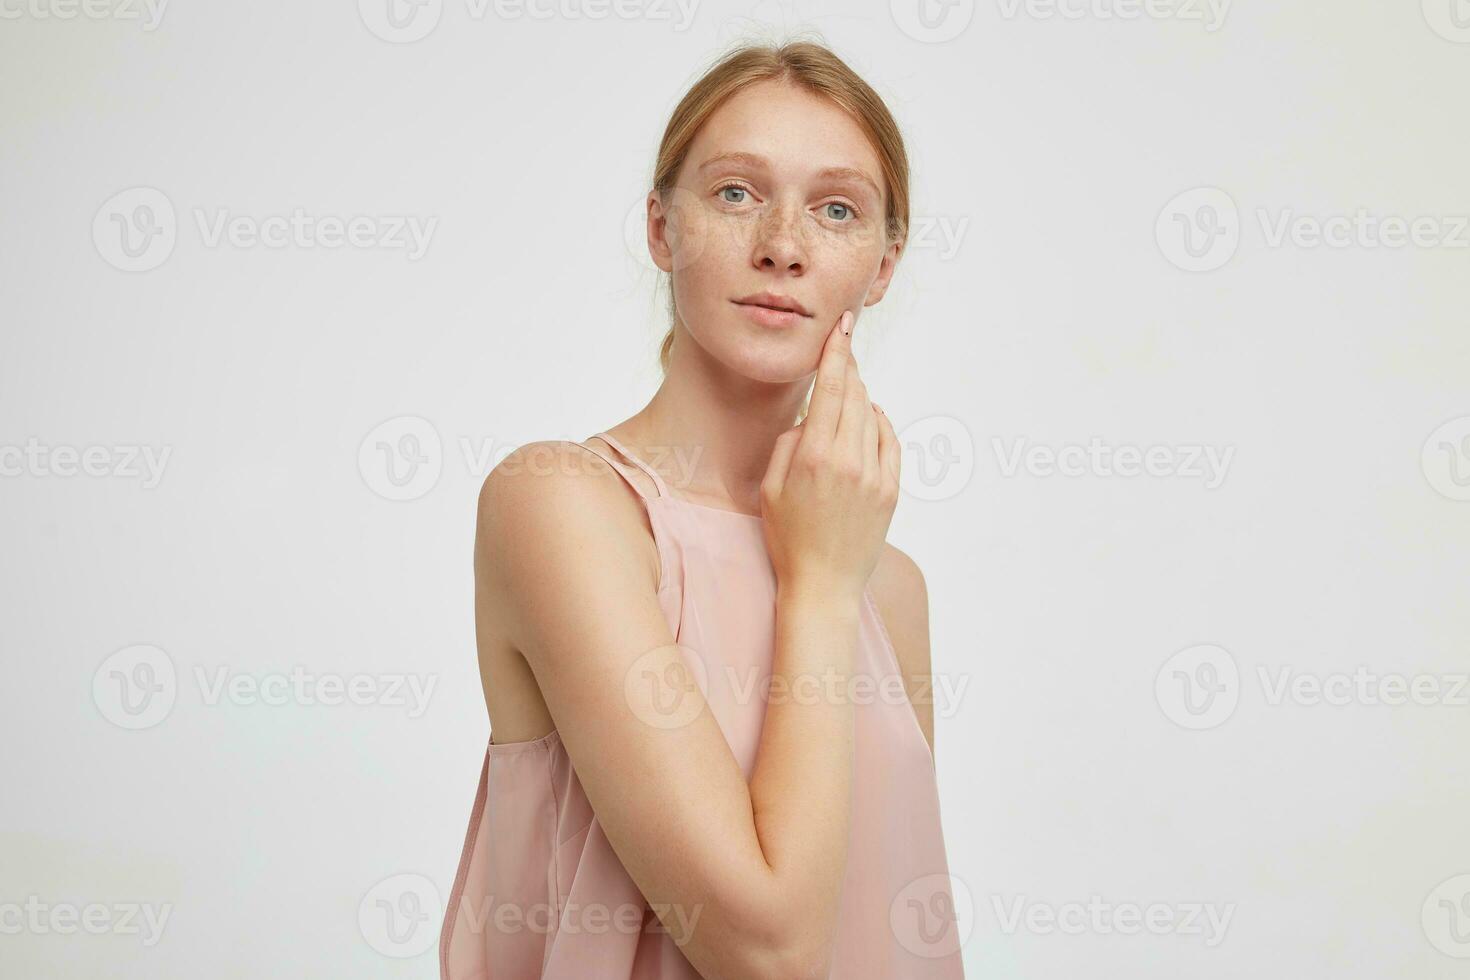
column 709, row 431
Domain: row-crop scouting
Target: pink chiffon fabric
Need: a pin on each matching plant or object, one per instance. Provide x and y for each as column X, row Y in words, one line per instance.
column 539, row 891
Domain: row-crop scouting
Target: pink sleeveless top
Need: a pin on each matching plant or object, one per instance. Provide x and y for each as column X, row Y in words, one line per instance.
column 539, row 891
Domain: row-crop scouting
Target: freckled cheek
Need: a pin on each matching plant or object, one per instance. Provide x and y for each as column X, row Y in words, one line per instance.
column 846, row 273
column 700, row 236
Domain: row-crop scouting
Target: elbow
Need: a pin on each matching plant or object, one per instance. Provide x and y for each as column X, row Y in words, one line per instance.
column 765, row 934
column 786, row 963
column 802, row 955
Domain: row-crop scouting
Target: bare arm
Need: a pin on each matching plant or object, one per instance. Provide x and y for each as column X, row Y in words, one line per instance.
column 561, row 554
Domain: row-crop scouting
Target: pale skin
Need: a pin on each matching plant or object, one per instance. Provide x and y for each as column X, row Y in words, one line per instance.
column 566, row 570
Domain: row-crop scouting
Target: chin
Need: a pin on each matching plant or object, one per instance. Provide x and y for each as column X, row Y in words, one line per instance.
column 780, row 364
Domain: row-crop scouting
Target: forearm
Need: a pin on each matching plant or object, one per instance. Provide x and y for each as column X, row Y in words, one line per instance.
column 801, row 787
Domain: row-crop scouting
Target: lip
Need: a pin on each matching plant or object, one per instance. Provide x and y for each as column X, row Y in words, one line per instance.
column 768, row 317
column 777, row 301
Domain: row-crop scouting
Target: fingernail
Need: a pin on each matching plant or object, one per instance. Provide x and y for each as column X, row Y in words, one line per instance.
column 879, row 408
column 847, row 323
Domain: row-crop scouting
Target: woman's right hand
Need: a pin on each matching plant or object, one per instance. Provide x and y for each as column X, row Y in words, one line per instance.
column 832, row 481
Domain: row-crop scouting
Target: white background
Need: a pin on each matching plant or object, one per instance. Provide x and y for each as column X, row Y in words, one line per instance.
column 1050, row 146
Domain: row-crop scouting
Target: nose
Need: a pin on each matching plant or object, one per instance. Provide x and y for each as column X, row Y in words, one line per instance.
column 778, row 243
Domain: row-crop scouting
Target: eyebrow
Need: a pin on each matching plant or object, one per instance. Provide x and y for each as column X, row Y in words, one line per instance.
column 757, row 162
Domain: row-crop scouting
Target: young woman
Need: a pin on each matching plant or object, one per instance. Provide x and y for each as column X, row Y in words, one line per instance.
column 703, row 762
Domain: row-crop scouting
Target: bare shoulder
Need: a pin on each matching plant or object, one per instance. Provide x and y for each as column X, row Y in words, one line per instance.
column 551, row 480
column 902, row 598
column 549, row 506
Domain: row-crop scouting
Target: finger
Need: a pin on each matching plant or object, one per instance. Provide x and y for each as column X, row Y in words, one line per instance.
column 872, row 463
column 825, row 409
column 855, row 412
column 780, row 462
column 890, row 450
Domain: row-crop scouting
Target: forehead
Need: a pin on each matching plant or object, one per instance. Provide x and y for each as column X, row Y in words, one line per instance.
column 799, row 133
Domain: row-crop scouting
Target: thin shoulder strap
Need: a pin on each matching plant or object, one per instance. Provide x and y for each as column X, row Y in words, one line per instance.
column 620, row 468
column 658, row 483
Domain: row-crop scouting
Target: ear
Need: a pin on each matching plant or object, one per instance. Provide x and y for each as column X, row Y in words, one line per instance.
column 658, row 232
column 886, row 268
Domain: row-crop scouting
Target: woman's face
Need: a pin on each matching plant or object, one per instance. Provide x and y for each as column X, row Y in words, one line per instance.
column 780, row 193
